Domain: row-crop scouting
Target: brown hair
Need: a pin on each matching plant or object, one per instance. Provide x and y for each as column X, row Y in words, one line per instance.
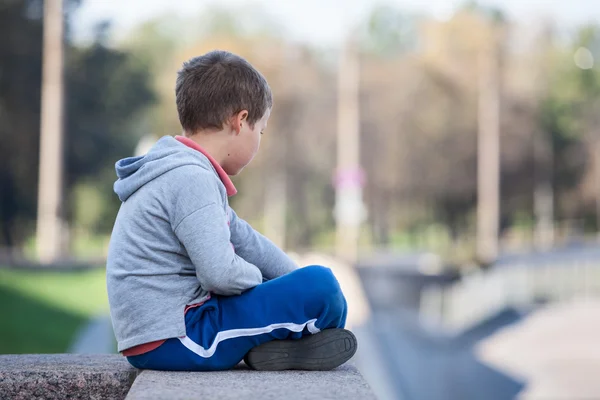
column 213, row 87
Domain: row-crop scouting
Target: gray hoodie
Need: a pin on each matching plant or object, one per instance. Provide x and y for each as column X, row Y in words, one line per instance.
column 175, row 241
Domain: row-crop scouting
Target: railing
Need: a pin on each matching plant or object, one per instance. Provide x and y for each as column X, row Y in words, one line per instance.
column 516, row 281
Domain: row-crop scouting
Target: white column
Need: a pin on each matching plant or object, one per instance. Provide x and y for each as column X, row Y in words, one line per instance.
column 50, row 224
column 349, row 209
column 488, row 154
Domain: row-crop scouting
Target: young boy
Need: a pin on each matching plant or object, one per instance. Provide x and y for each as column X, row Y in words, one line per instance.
column 191, row 285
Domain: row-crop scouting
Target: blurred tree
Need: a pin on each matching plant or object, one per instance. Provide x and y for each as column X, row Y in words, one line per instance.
column 388, row 32
column 420, row 123
column 419, row 129
column 155, row 44
column 105, row 89
column 20, row 77
column 107, row 93
column 569, row 116
column 418, row 117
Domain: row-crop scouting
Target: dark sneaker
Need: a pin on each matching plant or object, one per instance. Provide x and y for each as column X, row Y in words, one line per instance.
column 322, row 351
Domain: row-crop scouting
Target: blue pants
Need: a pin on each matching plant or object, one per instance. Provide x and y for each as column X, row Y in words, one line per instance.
column 221, row 331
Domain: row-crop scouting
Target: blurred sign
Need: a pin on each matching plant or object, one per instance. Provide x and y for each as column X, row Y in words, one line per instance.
column 349, row 207
column 349, row 178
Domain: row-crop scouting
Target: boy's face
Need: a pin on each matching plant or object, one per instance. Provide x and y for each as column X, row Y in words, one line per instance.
column 245, row 142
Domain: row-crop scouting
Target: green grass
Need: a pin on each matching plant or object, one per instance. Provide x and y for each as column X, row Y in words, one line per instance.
column 41, row 312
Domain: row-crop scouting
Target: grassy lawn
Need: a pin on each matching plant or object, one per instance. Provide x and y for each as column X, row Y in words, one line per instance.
column 41, row 311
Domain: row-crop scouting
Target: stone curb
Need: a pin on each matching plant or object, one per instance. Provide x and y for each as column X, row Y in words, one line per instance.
column 62, row 376
column 100, row 376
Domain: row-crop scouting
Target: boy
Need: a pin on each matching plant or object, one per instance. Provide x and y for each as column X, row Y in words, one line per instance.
column 193, row 287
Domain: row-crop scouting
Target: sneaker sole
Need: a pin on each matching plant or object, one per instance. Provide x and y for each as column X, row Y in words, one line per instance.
column 322, row 351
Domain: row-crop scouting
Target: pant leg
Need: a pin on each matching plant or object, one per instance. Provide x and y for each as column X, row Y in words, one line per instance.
column 223, row 330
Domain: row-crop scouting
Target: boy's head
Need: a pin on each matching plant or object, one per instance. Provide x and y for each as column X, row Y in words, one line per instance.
column 222, row 92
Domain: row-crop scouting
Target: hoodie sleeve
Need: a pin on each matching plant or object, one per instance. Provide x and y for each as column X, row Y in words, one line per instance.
column 257, row 249
column 206, row 237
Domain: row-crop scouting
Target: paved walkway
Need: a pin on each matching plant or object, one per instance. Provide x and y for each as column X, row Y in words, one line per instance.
column 95, row 338
column 556, row 350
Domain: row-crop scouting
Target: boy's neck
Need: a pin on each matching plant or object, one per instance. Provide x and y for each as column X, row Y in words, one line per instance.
column 214, row 143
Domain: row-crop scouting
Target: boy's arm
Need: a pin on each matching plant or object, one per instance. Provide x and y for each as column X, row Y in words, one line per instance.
column 257, row 249
column 206, row 237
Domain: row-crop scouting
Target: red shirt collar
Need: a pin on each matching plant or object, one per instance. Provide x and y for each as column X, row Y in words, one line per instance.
column 231, row 190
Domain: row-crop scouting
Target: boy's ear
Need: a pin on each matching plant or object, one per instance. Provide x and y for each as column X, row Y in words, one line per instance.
column 238, row 120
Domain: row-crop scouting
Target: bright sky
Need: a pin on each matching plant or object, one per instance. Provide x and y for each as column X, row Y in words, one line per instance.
column 322, row 21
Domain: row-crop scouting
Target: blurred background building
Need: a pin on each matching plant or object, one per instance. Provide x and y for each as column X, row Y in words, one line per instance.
column 443, row 157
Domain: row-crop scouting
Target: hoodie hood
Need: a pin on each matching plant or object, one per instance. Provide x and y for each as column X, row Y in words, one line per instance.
column 166, row 155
